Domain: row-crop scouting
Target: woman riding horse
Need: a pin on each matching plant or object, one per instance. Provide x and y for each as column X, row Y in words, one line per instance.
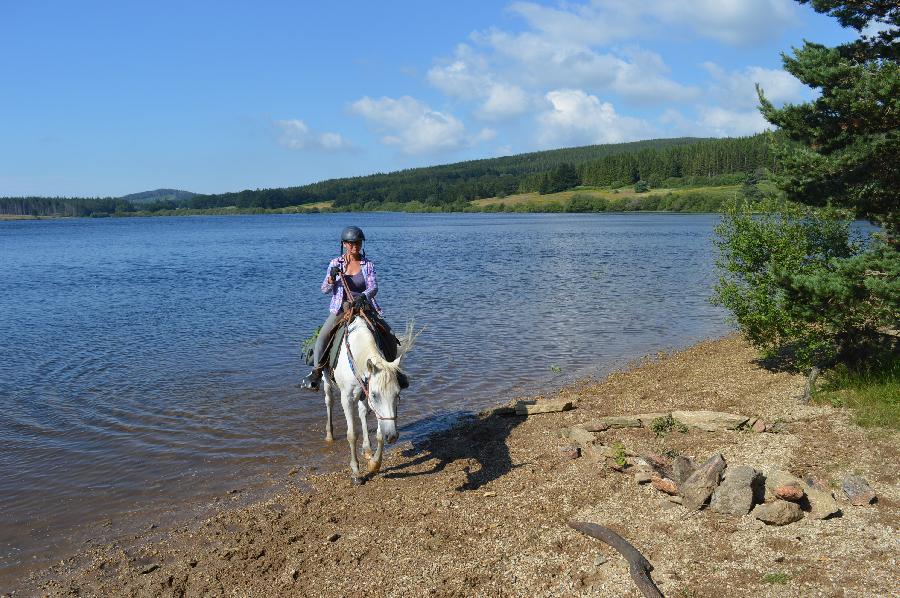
column 359, row 274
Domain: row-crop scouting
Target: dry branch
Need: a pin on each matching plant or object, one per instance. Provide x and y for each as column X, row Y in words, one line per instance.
column 638, row 566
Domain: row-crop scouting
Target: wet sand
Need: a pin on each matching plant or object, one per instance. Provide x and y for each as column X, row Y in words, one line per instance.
column 481, row 509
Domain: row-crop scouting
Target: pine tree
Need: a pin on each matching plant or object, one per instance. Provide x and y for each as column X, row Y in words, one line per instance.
column 843, row 146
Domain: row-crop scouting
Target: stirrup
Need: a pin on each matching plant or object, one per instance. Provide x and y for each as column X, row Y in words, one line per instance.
column 312, row 380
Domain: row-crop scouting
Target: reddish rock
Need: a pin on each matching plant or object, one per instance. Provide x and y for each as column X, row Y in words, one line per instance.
column 570, row 451
column 791, row 492
column 759, row 426
column 664, row 485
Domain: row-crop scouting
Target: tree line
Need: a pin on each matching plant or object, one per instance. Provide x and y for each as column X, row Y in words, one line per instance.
column 659, row 163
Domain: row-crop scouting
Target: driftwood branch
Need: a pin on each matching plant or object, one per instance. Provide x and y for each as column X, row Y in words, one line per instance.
column 810, row 385
column 638, row 566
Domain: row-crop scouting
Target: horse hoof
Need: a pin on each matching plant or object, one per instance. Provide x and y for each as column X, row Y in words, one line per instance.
column 358, row 481
column 373, row 468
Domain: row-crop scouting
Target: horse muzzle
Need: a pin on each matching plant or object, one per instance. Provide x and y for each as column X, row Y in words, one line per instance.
column 389, row 431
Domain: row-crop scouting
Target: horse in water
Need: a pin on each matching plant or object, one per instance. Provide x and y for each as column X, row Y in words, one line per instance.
column 366, row 381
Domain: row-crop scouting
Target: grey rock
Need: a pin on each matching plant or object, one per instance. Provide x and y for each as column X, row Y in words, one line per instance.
column 710, row 421
column 734, row 496
column 821, row 503
column 642, row 477
column 535, row 407
column 599, row 560
column 682, row 468
column 612, row 421
column 700, row 486
column 579, row 435
column 776, row 428
column 858, row 491
column 779, row 512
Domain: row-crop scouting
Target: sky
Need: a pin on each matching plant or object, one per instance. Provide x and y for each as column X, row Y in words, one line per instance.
column 110, row 98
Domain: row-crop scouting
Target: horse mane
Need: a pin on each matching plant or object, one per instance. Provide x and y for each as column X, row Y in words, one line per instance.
column 396, row 378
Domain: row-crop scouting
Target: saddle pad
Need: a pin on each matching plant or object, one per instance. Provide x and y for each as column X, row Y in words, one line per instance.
column 386, row 343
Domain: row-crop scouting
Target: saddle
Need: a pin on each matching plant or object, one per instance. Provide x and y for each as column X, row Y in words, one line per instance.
column 385, row 340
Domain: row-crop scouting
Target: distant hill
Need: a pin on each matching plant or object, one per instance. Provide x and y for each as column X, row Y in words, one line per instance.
column 146, row 197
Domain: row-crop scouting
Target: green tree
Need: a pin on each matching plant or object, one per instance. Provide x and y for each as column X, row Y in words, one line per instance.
column 842, row 147
column 792, row 277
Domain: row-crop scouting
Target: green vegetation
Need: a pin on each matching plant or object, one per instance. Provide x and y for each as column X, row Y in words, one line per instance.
column 619, row 455
column 671, row 164
column 872, row 391
column 797, row 284
column 776, row 578
column 663, row 425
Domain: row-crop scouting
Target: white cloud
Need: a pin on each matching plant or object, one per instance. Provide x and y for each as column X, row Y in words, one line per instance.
column 414, row 127
column 738, row 88
column 296, row 135
column 722, row 122
column 577, row 118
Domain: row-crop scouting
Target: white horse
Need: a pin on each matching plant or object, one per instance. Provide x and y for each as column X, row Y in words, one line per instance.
column 372, row 383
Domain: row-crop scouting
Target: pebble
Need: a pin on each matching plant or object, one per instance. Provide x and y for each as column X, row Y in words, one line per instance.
column 759, row 426
column 858, row 491
column 599, row 560
column 333, row 537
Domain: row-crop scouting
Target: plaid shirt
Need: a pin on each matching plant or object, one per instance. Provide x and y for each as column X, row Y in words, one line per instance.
column 337, row 290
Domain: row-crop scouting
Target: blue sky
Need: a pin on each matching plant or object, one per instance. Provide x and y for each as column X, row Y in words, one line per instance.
column 110, row 98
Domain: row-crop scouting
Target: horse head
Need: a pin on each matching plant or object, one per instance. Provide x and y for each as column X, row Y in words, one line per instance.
column 386, row 380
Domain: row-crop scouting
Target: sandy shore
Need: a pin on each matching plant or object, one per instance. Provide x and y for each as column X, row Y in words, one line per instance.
column 481, row 509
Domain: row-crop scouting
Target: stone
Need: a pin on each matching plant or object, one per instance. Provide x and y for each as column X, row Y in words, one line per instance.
column 734, row 496
column 791, row 492
column 675, row 499
column 682, row 468
column 503, row 410
column 822, row 504
column 700, row 486
column 665, row 505
column 776, row 428
column 642, row 477
column 570, row 451
column 533, row 407
column 858, row 491
column 759, row 426
column 777, row 478
column 599, row 560
column 578, row 435
column 710, row 421
column 647, row 418
column 664, row 485
column 333, row 537
column 779, row 512
column 612, row 421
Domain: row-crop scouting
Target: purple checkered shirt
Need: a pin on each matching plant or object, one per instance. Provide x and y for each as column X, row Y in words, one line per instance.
column 337, row 289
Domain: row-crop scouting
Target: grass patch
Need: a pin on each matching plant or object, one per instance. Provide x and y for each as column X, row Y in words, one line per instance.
column 777, row 577
column 619, row 455
column 872, row 392
column 663, row 425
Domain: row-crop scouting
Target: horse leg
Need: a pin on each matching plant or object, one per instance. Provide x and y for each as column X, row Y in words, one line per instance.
column 347, row 401
column 329, row 401
column 375, row 461
column 363, row 410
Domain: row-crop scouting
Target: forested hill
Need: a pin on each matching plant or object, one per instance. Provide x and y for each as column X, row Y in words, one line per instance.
column 660, row 162
column 146, row 197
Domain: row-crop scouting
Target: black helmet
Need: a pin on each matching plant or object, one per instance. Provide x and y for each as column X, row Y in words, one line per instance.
column 352, row 234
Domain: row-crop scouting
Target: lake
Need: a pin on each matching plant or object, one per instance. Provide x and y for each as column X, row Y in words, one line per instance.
column 148, row 366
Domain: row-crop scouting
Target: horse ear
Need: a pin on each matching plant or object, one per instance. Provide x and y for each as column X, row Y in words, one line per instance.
column 372, row 366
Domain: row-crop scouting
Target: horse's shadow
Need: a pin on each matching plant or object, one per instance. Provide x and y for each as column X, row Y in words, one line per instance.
column 479, row 439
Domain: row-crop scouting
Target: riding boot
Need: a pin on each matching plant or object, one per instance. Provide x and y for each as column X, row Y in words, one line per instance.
column 312, row 380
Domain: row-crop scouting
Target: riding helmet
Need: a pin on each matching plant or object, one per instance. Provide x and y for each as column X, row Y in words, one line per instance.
column 352, row 234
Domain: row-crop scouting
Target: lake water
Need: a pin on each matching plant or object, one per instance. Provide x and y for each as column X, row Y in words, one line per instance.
column 150, row 364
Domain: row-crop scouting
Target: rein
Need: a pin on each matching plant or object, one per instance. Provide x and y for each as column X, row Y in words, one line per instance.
column 349, row 314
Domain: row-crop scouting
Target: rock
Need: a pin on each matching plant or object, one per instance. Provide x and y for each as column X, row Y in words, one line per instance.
column 779, row 512
column 777, row 478
column 664, row 485
column 665, row 505
column 578, row 435
column 612, row 421
column 700, row 486
column 503, row 410
column 734, row 496
column 647, row 418
column 821, row 503
column 776, row 428
column 682, row 468
column 791, row 492
column 599, row 560
column 290, row 574
column 759, row 426
column 710, row 421
column 661, row 465
column 642, row 477
column 570, row 451
column 858, row 491
column 149, row 568
column 818, row 484
column 675, row 499
column 533, row 407
column 333, row 537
